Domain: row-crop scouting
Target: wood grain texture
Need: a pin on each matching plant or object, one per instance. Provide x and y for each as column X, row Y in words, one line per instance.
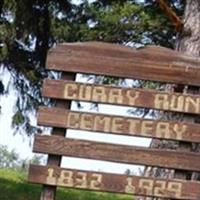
column 106, row 182
column 117, row 153
column 49, row 192
column 145, row 98
column 150, row 63
column 172, row 130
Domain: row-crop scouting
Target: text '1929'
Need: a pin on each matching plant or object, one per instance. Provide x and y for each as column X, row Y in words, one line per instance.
column 95, row 181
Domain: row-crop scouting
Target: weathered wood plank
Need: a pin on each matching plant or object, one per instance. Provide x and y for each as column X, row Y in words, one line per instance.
column 151, row 63
column 117, row 153
column 105, row 182
column 145, row 98
column 172, row 130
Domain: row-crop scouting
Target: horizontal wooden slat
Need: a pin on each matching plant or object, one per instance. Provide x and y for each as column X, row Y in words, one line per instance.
column 117, row 153
column 105, row 182
column 151, row 63
column 172, row 130
column 60, row 89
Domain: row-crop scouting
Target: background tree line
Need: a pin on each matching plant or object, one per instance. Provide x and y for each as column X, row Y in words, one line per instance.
column 10, row 159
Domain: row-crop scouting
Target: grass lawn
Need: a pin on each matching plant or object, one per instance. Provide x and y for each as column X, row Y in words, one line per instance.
column 13, row 186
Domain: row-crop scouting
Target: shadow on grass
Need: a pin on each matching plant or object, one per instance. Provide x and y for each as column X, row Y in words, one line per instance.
column 12, row 190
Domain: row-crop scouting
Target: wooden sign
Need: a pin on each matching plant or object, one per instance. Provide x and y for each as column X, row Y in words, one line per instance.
column 97, row 181
column 172, row 130
column 151, row 63
column 56, row 145
column 122, row 96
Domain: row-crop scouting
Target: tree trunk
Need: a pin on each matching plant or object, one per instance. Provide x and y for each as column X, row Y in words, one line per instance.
column 188, row 42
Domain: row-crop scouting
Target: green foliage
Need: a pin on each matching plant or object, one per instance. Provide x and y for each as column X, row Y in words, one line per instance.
column 11, row 160
column 121, row 23
column 8, row 159
column 18, row 119
column 13, row 186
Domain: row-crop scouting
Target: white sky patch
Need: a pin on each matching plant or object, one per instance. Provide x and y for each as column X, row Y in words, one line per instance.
column 20, row 143
column 77, row 2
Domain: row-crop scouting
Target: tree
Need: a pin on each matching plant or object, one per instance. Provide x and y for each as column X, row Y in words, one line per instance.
column 10, row 159
column 30, row 28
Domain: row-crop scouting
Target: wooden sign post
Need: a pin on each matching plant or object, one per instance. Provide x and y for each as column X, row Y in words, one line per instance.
column 151, row 63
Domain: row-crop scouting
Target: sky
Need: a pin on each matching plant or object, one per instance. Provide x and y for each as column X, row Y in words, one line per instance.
column 23, row 145
column 18, row 142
